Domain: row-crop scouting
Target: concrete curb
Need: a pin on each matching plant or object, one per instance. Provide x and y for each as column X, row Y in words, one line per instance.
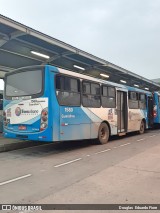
column 18, row 145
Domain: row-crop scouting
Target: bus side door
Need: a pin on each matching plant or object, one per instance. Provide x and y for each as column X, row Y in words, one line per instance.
column 122, row 111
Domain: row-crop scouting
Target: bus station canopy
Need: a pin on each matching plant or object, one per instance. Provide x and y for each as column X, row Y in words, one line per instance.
column 22, row 46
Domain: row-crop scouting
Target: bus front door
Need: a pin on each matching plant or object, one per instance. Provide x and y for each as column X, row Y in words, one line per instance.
column 122, row 112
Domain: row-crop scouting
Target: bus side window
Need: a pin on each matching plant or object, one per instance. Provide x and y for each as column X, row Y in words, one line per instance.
column 111, row 92
column 133, row 100
column 86, row 88
column 95, row 95
column 86, row 91
column 142, row 101
column 91, row 94
column 159, row 101
column 59, row 82
column 108, row 97
column 68, row 90
column 75, row 85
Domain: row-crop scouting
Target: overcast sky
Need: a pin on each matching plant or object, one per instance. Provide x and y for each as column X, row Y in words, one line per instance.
column 124, row 32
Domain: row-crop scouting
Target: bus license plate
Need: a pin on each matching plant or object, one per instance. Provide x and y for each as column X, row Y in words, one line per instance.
column 22, row 127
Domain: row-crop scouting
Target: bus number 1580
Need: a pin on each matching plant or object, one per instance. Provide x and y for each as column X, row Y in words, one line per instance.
column 68, row 109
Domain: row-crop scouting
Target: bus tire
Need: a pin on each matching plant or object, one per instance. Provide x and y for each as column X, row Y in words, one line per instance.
column 142, row 127
column 103, row 133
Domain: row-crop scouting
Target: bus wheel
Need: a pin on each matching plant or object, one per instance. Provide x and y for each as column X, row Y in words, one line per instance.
column 142, row 127
column 103, row 133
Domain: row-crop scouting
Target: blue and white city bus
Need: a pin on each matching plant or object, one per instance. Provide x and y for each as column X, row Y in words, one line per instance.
column 46, row 103
column 156, row 108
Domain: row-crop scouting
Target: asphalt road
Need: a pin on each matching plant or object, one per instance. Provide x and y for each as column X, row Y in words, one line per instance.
column 125, row 170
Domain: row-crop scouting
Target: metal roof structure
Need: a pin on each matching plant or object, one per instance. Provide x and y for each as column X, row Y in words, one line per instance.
column 22, row 46
column 156, row 80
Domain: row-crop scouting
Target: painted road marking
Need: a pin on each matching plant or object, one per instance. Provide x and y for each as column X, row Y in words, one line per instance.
column 141, row 139
column 125, row 144
column 106, row 150
column 72, row 161
column 111, row 149
column 15, row 179
column 121, row 145
column 152, row 136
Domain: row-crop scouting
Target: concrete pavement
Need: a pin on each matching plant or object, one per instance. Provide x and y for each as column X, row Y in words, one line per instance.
column 123, row 171
column 7, row 144
column 134, row 180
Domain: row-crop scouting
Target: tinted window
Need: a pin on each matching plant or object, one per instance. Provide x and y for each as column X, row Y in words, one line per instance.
column 24, row 83
column 95, row 101
column 68, row 91
column 133, row 100
column 108, row 97
column 74, row 85
column 108, row 102
column 142, row 97
column 105, row 91
column 60, row 82
column 67, row 84
column 86, row 88
column 133, row 96
column 95, row 89
column 68, row 98
column 111, row 92
column 86, row 100
column 142, row 101
column 91, row 95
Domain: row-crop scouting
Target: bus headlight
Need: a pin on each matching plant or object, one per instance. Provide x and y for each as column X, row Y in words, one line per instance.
column 44, row 118
column 44, row 112
column 43, row 126
column 44, row 115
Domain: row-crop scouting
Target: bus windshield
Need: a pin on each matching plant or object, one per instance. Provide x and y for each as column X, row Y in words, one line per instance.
column 25, row 83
